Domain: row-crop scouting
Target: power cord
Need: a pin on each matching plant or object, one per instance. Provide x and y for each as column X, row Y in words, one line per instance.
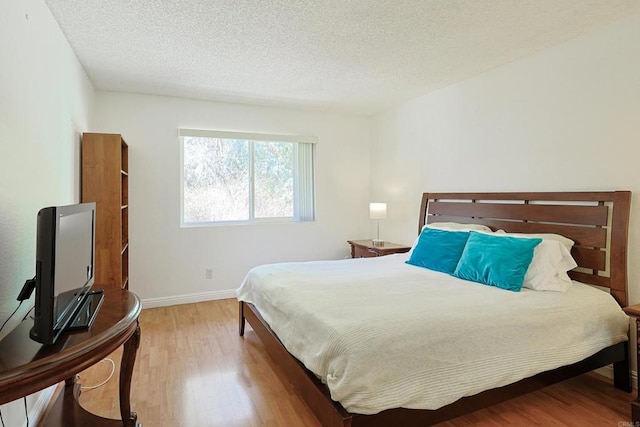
column 24, row 294
column 26, row 413
column 113, row 369
column 28, row 312
column 12, row 314
column 1, row 328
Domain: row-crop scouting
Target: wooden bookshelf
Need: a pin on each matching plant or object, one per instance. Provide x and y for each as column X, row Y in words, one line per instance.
column 105, row 180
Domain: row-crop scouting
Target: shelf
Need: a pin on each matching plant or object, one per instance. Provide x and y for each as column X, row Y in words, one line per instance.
column 125, row 268
column 124, row 156
column 124, row 189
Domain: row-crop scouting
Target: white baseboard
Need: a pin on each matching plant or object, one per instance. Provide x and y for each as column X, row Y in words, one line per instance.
column 187, row 299
column 37, row 409
column 607, row 371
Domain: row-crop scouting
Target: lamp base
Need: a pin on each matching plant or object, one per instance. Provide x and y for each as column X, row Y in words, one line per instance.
column 377, row 242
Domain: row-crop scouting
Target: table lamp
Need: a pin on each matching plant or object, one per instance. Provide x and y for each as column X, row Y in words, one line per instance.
column 378, row 211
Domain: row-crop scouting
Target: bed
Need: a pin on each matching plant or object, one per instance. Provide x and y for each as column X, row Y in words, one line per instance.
column 596, row 221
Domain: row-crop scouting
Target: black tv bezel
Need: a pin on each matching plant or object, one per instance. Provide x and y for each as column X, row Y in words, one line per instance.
column 45, row 330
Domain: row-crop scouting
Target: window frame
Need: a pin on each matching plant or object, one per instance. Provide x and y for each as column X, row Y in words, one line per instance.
column 251, row 137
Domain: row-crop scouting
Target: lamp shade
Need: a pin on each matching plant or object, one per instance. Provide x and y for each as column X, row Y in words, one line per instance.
column 377, row 210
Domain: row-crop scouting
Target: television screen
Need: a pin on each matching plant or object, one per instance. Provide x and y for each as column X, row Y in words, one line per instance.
column 65, row 253
column 74, row 259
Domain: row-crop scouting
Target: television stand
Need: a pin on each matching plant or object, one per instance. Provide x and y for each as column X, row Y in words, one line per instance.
column 27, row 366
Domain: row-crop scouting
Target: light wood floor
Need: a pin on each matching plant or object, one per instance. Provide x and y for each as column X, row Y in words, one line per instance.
column 194, row 370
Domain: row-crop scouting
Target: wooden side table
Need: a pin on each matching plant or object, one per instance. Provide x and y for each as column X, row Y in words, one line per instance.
column 27, row 366
column 366, row 248
column 634, row 311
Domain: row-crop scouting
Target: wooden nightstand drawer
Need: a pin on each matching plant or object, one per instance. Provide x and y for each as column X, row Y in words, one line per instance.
column 366, row 249
column 360, row 252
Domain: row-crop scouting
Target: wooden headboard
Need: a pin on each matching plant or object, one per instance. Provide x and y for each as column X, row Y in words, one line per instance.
column 598, row 223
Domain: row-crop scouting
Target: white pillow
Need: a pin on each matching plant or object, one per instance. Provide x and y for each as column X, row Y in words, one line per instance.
column 457, row 226
column 550, row 263
column 548, row 269
column 450, row 226
column 566, row 242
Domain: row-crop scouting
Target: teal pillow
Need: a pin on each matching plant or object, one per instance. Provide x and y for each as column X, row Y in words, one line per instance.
column 496, row 261
column 439, row 250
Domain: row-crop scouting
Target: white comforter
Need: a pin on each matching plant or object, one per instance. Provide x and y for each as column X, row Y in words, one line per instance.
column 383, row 334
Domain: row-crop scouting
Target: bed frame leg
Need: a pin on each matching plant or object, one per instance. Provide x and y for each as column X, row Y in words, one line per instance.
column 241, row 319
column 622, row 372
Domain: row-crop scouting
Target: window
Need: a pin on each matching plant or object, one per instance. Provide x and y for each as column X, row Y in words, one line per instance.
column 241, row 177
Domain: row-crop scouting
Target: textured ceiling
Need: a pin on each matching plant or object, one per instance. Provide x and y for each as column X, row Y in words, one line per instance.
column 358, row 56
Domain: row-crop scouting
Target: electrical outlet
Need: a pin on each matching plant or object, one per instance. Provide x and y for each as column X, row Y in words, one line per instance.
column 208, row 273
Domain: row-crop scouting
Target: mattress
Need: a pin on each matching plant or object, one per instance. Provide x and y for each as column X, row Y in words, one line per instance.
column 384, row 334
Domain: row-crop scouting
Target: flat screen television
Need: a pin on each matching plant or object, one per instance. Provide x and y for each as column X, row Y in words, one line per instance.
column 65, row 259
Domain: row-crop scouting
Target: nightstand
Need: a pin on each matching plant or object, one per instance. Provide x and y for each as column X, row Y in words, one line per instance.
column 366, row 249
column 634, row 311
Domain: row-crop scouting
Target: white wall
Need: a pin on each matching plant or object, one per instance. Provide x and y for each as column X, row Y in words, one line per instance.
column 167, row 263
column 45, row 100
column 567, row 118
